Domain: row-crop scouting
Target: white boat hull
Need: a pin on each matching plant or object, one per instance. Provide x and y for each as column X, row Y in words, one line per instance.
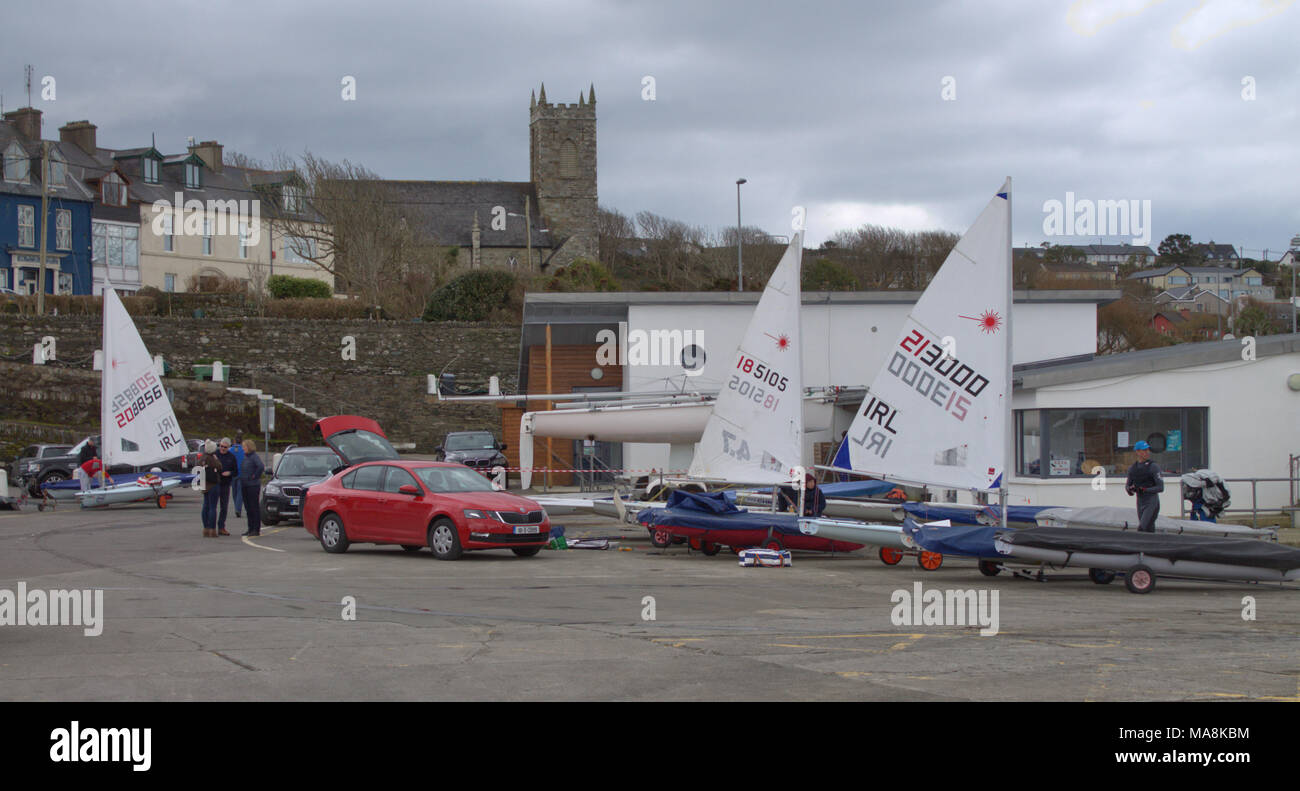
column 857, row 532
column 126, row 493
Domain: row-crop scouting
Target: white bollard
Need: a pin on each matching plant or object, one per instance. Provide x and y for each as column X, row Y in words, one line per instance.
column 99, row 360
column 494, row 386
column 433, row 385
column 218, row 371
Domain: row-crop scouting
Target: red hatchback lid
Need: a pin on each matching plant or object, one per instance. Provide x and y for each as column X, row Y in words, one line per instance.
column 356, row 439
column 332, row 425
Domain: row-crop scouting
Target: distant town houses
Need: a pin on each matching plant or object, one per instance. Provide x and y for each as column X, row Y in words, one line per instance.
column 1227, row 283
column 137, row 217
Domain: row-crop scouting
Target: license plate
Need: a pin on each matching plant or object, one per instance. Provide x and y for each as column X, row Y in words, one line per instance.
column 526, row 530
column 293, row 501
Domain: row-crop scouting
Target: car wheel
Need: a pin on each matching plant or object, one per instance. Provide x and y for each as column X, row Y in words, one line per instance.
column 54, row 476
column 444, row 539
column 412, row 547
column 526, row 552
column 333, row 537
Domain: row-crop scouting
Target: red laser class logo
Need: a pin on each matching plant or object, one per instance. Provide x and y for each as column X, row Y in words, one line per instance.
column 989, row 321
column 782, row 341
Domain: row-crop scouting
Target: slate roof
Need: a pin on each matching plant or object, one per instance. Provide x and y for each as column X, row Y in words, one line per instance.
column 444, row 210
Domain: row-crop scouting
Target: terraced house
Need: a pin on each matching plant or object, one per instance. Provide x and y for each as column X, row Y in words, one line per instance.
column 65, row 224
column 174, row 222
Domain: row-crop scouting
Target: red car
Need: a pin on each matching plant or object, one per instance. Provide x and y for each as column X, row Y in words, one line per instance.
column 380, row 499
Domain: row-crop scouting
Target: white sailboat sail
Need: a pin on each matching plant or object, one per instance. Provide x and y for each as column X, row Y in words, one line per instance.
column 937, row 413
column 138, row 424
column 755, row 433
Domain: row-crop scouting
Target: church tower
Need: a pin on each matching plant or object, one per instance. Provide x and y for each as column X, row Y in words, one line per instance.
column 562, row 164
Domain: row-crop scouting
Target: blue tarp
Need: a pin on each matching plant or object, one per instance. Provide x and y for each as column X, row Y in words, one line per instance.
column 713, row 511
column 970, row 540
column 863, row 488
column 934, row 512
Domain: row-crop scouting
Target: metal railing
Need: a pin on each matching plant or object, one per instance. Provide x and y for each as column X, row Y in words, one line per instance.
column 1255, row 510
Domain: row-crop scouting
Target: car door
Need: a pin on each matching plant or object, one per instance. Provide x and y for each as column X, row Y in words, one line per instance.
column 403, row 515
column 362, row 511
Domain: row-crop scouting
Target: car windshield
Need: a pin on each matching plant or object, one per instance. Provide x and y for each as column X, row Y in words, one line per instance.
column 478, row 441
column 358, row 445
column 307, row 464
column 452, row 479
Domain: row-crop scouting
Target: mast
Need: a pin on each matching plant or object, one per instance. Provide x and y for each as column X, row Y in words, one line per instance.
column 1008, row 444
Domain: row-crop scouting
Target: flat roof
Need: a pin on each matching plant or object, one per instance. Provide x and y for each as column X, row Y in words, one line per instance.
column 1167, row 358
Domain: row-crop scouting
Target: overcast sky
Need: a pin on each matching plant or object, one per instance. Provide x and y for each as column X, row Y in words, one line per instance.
column 839, row 107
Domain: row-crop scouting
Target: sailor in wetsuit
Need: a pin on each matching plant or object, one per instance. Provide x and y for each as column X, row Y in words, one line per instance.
column 814, row 502
column 1145, row 482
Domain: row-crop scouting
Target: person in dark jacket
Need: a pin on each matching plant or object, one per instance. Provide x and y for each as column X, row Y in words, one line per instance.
column 229, row 471
column 1145, row 483
column 210, row 468
column 250, row 483
column 814, row 502
column 237, row 492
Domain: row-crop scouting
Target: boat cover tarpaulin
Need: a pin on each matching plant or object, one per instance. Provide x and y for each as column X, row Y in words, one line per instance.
column 970, row 540
column 72, row 484
column 989, row 515
column 713, row 511
column 1127, row 519
column 1169, row 546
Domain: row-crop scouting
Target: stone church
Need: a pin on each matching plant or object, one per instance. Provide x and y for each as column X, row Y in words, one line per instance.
column 531, row 225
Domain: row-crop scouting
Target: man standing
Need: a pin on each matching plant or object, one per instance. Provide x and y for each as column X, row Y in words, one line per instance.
column 814, row 502
column 85, row 456
column 229, row 470
column 237, row 492
column 1145, row 482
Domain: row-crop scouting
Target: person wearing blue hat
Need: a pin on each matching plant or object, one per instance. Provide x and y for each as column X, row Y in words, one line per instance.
column 1145, row 482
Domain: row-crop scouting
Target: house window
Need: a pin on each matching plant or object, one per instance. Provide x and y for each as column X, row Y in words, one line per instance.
column 26, row 226
column 169, row 282
column 150, row 168
column 207, row 236
column 298, row 250
column 63, row 229
column 169, row 244
column 243, row 239
column 1062, row 443
column 193, row 178
column 113, row 190
column 1177, row 281
column 115, row 245
column 18, row 165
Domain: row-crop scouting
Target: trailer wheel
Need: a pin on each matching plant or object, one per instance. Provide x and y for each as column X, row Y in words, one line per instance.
column 890, row 556
column 774, row 543
column 1101, row 576
column 929, row 560
column 1140, row 579
column 661, row 538
column 990, row 568
column 710, row 549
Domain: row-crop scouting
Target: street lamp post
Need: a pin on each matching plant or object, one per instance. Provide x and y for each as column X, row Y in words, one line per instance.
column 1295, row 253
column 740, row 261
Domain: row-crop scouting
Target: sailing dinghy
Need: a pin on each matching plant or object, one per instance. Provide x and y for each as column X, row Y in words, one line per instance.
column 138, row 425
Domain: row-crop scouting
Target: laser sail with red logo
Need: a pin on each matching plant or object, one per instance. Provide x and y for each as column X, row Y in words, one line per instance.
column 755, row 432
column 938, row 412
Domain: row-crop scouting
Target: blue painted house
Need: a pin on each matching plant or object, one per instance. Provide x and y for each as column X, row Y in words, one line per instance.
column 67, row 227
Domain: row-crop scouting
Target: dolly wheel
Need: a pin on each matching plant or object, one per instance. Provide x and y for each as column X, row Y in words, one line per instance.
column 890, row 556
column 709, row 548
column 990, row 568
column 1101, row 576
column 1140, row 579
column 929, row 560
column 774, row 543
column 661, row 538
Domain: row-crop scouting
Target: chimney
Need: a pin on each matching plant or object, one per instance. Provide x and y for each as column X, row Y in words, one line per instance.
column 27, row 120
column 79, row 133
column 210, row 152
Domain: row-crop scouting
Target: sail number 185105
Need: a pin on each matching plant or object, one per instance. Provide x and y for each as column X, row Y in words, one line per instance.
column 761, row 372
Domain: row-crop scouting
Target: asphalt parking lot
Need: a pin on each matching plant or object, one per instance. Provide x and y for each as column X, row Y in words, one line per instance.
column 189, row 618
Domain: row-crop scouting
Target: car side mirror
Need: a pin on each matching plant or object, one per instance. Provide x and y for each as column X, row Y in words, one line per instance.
column 414, row 491
column 501, row 446
column 438, row 449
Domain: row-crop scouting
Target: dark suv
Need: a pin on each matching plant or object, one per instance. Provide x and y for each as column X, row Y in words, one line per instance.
column 298, row 467
column 26, row 470
column 475, row 449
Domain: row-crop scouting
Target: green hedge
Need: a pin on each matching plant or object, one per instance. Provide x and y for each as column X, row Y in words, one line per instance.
column 475, row 296
column 287, row 287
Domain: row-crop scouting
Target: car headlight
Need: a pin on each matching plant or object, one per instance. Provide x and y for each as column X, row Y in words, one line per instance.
column 471, row 513
column 33, row 466
column 451, row 457
column 273, row 488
